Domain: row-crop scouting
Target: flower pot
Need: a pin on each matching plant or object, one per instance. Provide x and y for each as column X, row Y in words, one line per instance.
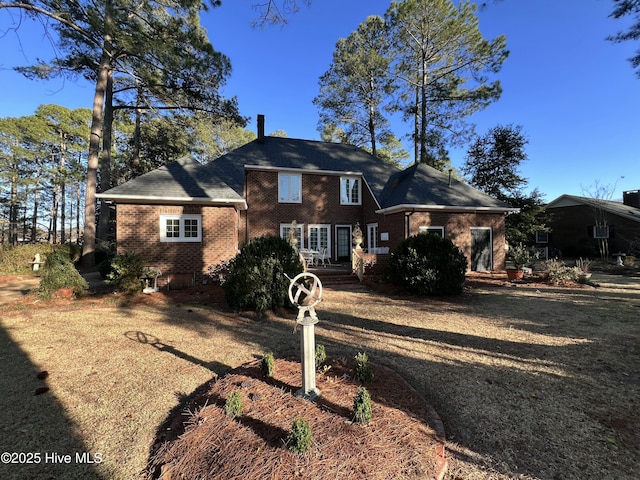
column 515, row 274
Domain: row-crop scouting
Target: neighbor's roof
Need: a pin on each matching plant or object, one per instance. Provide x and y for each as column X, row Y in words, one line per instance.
column 422, row 186
column 182, row 181
column 615, row 208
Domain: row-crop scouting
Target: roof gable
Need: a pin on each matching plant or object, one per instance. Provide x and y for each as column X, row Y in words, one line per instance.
column 610, row 206
column 183, row 180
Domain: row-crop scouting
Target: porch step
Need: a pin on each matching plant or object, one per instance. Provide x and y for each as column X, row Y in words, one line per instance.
column 338, row 279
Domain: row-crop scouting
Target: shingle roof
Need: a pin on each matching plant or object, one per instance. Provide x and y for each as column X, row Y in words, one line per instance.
column 302, row 154
column 223, row 179
column 426, row 186
column 615, row 208
column 184, row 180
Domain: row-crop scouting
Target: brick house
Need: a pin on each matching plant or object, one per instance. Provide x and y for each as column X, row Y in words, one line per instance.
column 185, row 217
column 573, row 224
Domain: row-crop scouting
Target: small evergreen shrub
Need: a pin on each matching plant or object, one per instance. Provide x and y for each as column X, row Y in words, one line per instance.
column 267, row 365
column 256, row 277
column 126, row 271
column 428, row 264
column 321, row 355
column 233, row 405
column 59, row 272
column 362, row 371
column 362, row 406
column 300, row 436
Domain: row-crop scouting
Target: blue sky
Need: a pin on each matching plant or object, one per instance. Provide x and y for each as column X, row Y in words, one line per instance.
column 574, row 93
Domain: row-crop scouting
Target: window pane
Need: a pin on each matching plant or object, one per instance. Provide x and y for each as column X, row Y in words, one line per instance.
column 289, row 187
column 354, row 190
column 191, row 228
column 173, row 228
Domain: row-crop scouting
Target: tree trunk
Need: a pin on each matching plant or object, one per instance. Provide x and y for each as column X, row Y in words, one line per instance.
column 36, row 200
column 105, row 165
column 89, row 245
column 63, row 203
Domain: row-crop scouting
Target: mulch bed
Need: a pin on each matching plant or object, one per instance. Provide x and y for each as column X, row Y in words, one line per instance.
column 405, row 438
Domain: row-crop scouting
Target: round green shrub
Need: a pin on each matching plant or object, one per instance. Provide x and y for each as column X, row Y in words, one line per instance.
column 233, row 405
column 256, row 278
column 16, row 259
column 126, row 272
column 362, row 406
column 59, row 272
column 428, row 264
column 267, row 365
column 300, row 436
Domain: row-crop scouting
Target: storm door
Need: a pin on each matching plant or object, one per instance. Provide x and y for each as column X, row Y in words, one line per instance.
column 481, row 249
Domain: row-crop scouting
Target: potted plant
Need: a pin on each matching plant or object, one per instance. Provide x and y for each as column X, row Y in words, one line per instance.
column 519, row 257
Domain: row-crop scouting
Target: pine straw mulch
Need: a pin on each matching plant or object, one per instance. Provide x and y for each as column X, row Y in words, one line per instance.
column 405, row 438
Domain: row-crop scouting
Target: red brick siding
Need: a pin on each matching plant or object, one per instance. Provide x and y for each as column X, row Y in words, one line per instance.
column 138, row 231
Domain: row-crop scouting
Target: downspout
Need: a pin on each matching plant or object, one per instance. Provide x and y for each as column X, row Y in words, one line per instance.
column 407, row 232
column 246, row 216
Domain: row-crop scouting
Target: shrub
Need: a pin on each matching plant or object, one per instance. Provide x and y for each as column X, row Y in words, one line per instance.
column 267, row 365
column 59, row 272
column 559, row 273
column 17, row 259
column 362, row 406
column 300, row 437
column 321, row 355
column 233, row 405
column 126, row 271
column 427, row 264
column 362, row 371
column 257, row 278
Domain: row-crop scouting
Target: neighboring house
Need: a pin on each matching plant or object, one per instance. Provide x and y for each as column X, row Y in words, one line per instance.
column 575, row 230
column 185, row 217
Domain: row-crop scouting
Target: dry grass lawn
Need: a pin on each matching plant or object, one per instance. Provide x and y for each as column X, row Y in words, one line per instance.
column 531, row 382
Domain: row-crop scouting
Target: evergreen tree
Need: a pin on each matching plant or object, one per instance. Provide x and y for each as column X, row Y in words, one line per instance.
column 442, row 64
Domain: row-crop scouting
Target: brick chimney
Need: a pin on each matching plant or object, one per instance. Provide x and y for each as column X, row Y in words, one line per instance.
column 631, row 198
column 260, row 128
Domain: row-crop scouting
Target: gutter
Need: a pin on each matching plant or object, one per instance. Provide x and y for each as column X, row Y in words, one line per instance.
column 444, row 208
column 158, row 200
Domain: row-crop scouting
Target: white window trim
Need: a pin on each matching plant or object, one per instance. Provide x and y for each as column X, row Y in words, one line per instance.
column 288, row 176
column 427, row 228
column 348, row 197
column 372, row 240
column 299, row 227
column 181, row 237
column 326, row 226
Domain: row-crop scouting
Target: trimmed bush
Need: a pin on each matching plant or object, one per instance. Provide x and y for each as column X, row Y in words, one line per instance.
column 267, row 365
column 427, row 264
column 362, row 371
column 300, row 436
column 256, row 278
column 233, row 405
column 59, row 272
column 126, row 271
column 362, row 406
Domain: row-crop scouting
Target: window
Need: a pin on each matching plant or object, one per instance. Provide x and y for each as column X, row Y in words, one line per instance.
column 350, row 191
column 600, row 231
column 542, row 237
column 432, row 230
column 372, row 237
column 319, row 237
column 180, row 228
column 285, row 228
column 289, row 188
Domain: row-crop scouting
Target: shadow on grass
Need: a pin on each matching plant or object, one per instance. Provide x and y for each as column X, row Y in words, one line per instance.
column 32, row 418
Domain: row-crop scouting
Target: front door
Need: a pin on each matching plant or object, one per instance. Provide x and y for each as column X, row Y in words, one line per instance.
column 481, row 251
column 343, row 243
